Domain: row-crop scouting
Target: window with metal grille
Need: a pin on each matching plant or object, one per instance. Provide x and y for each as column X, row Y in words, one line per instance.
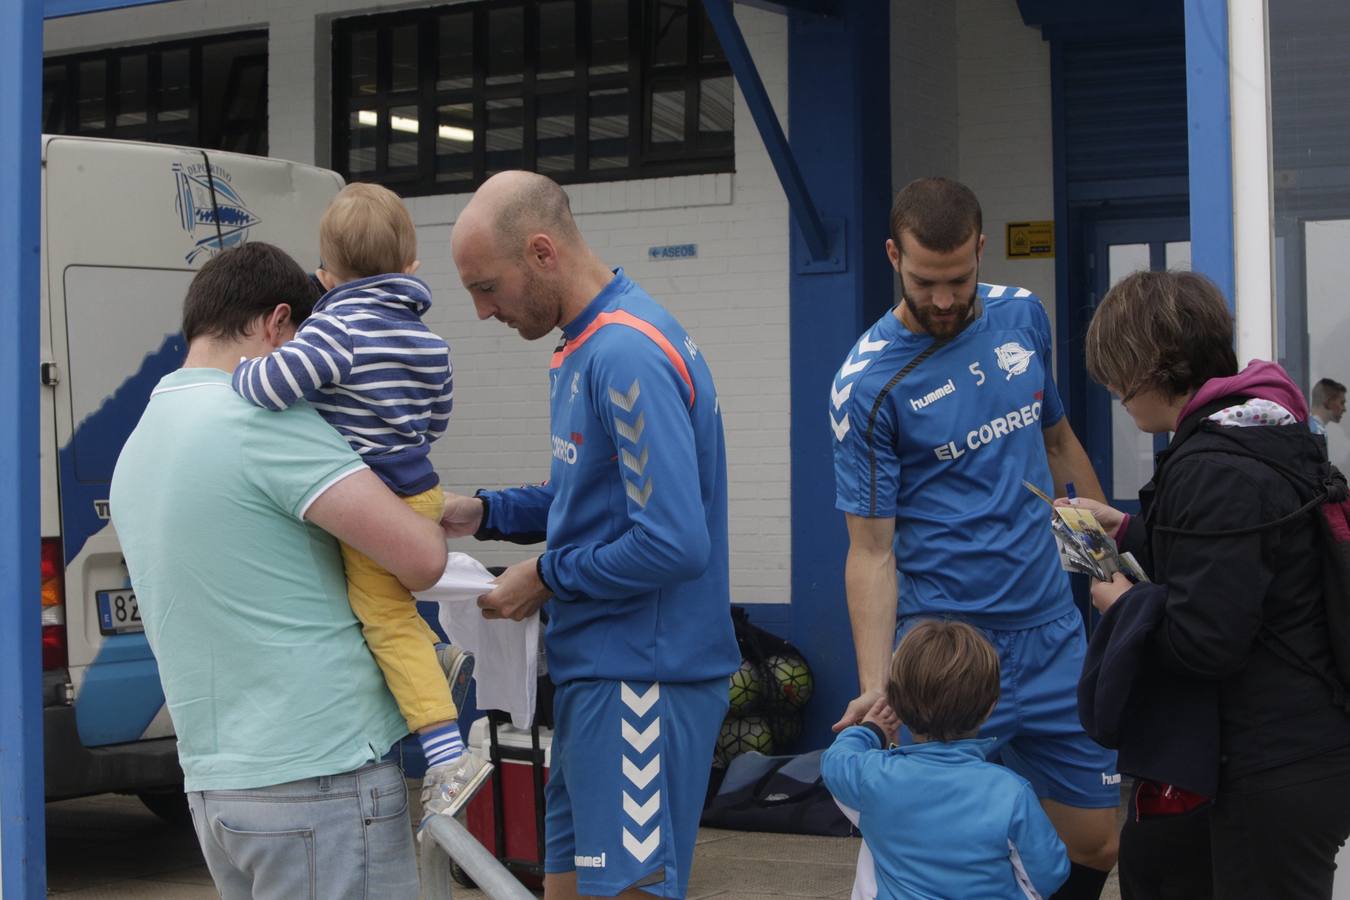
column 207, row 92
column 433, row 101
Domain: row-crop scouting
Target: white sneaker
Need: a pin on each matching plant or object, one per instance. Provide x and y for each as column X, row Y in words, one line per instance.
column 458, row 668
column 446, row 789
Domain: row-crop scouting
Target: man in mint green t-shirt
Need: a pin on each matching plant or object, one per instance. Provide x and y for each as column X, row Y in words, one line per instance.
column 227, row 515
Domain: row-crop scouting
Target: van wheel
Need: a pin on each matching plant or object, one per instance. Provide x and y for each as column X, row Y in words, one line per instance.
column 170, row 805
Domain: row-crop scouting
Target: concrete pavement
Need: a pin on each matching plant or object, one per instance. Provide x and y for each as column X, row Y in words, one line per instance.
column 110, row 846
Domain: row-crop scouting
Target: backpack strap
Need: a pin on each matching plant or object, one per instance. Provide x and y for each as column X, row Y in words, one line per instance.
column 1254, row 529
column 1333, row 490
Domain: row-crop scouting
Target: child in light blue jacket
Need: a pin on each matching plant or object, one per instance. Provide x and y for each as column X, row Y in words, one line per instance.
column 939, row 819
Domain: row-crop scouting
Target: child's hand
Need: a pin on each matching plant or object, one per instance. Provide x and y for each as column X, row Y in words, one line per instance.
column 882, row 716
column 462, row 515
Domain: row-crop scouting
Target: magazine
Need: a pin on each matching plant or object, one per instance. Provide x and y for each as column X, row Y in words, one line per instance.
column 1084, row 546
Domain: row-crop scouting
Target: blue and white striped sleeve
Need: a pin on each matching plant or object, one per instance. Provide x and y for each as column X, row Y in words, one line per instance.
column 439, row 414
column 320, row 354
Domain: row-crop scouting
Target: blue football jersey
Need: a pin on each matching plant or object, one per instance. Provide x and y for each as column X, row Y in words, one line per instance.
column 945, row 450
column 635, row 508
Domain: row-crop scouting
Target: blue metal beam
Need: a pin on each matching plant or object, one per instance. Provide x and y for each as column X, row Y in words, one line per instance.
column 56, row 9
column 1210, row 135
column 818, row 7
column 839, row 110
column 812, row 227
column 23, row 870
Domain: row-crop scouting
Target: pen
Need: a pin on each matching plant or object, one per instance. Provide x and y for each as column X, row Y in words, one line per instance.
column 1069, row 491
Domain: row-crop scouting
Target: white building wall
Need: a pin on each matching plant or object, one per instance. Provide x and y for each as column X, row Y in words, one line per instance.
column 733, row 298
column 970, row 99
column 924, row 100
column 1006, row 145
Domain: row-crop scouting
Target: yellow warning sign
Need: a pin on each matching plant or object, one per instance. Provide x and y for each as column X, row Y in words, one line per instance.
column 1031, row 240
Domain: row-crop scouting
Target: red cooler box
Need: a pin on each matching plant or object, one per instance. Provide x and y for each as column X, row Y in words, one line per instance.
column 507, row 814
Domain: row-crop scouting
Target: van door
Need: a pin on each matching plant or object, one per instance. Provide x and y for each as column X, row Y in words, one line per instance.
column 128, row 225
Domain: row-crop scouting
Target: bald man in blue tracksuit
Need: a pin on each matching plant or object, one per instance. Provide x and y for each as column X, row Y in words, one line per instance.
column 635, row 577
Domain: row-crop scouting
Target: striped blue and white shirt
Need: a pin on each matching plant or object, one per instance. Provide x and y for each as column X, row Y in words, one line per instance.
column 372, row 369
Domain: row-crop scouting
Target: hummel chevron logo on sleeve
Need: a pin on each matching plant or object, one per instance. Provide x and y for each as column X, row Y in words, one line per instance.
column 837, row 396
column 860, row 359
column 852, row 368
column 840, row 427
column 866, row 346
column 625, row 401
column 631, row 433
column 636, row 463
column 638, row 496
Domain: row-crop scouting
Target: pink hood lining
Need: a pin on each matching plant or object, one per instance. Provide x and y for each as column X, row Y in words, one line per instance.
column 1263, row 379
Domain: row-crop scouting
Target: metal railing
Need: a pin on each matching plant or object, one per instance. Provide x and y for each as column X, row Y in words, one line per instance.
column 443, row 840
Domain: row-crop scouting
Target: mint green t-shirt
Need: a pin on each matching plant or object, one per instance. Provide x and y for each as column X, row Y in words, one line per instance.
column 265, row 672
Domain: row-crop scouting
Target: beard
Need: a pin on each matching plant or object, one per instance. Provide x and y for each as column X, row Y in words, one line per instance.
column 942, row 326
column 540, row 309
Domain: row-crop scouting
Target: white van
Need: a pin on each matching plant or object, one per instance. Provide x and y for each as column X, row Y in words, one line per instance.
column 125, row 226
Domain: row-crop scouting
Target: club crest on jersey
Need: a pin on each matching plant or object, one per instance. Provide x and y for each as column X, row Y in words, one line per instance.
column 576, row 387
column 1013, row 358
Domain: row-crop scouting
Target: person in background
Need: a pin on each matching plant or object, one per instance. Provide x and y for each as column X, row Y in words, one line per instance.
column 1328, row 404
column 996, row 839
column 1235, row 701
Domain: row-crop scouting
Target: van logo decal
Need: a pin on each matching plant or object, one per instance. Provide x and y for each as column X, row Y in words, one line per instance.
column 213, row 226
column 101, row 510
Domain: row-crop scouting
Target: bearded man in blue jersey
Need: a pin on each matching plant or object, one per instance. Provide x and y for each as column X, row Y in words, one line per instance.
column 635, row 577
column 939, row 413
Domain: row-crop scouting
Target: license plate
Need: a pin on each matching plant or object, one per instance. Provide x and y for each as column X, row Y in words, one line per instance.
column 118, row 612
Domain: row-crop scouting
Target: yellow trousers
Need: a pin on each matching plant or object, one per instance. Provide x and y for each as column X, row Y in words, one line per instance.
column 399, row 638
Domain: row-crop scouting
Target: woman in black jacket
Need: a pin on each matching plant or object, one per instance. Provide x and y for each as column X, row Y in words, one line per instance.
column 1238, row 637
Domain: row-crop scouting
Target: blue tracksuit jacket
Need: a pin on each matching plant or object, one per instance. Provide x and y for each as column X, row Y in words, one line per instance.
column 635, row 508
column 942, row 822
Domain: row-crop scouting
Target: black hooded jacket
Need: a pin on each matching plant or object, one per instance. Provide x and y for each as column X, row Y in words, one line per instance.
column 1223, row 592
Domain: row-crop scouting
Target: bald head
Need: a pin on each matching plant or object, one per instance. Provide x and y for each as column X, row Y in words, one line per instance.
column 513, row 206
column 521, row 257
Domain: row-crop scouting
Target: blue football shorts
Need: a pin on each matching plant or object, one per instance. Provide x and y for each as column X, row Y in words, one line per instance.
column 1036, row 719
column 627, row 781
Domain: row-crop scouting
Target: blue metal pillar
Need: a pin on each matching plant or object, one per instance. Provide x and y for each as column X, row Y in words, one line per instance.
column 1209, row 118
column 839, row 114
column 822, row 246
column 22, row 839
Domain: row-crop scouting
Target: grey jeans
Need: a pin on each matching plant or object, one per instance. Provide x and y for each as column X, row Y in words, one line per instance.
column 337, row 837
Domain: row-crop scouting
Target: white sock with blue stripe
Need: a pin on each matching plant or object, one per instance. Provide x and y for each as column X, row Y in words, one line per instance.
column 441, row 745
